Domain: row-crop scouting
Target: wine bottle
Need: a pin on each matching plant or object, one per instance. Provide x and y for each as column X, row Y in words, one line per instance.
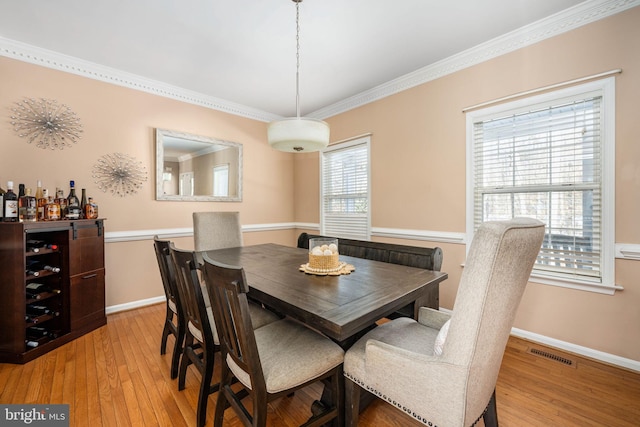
column 52, row 210
column 83, row 202
column 39, row 310
column 10, row 204
column 72, row 211
column 91, row 209
column 33, row 294
column 28, row 207
column 31, row 343
column 36, row 331
column 40, row 288
column 42, row 203
column 30, row 319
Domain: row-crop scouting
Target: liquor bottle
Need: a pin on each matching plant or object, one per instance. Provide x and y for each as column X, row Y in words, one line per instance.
column 2, row 193
column 10, row 202
column 39, row 191
column 62, row 201
column 52, row 210
column 37, row 266
column 20, row 196
column 28, row 207
column 42, row 203
column 37, row 331
column 83, row 202
column 91, row 209
column 72, row 211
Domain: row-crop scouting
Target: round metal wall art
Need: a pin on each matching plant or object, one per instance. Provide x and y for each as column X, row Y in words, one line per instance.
column 119, row 174
column 46, row 123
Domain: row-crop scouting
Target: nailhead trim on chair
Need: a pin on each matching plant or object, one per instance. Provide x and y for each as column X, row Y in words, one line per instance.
column 393, row 402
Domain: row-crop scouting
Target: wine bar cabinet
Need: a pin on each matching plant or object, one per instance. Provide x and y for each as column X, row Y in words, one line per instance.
column 51, row 283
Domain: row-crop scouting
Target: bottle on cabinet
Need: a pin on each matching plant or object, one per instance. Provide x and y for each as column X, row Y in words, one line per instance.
column 28, row 207
column 72, row 211
column 83, row 203
column 91, row 209
column 42, row 203
column 62, row 202
column 10, row 204
column 2, row 193
column 52, row 210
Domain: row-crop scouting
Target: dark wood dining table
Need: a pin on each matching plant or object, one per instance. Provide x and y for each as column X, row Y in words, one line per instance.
column 341, row 307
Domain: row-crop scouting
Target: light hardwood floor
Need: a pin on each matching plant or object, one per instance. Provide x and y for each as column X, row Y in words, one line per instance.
column 115, row 376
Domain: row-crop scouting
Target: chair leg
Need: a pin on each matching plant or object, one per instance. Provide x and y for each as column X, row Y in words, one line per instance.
column 177, row 351
column 490, row 416
column 205, row 387
column 222, row 403
column 352, row 403
column 184, row 361
column 166, row 331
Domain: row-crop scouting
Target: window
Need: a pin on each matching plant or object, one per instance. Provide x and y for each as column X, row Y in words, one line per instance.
column 550, row 157
column 221, row 180
column 345, row 194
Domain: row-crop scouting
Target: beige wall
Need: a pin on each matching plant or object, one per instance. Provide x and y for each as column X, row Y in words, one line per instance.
column 117, row 119
column 418, row 163
column 418, row 170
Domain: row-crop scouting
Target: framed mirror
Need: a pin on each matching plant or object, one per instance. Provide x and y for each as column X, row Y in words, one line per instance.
column 197, row 168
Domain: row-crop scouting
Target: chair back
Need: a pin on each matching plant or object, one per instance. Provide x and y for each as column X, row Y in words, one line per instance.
column 190, row 292
column 167, row 270
column 228, row 289
column 216, row 230
column 495, row 275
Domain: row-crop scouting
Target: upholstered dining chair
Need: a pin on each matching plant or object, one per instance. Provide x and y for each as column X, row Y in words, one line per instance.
column 175, row 327
column 201, row 336
column 442, row 369
column 271, row 361
column 216, row 230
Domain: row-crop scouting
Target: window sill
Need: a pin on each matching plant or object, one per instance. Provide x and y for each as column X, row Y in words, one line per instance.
column 575, row 284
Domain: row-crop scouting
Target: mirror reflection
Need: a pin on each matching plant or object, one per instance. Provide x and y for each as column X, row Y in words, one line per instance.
column 197, row 168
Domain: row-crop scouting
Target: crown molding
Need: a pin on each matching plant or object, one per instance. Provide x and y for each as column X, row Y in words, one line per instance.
column 572, row 18
column 562, row 22
column 57, row 61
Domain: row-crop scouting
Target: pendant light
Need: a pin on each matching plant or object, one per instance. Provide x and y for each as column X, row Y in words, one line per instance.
column 298, row 134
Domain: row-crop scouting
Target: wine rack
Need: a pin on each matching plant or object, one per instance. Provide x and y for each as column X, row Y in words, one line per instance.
column 52, row 281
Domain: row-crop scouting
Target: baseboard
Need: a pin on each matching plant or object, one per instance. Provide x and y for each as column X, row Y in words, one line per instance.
column 134, row 304
column 600, row 356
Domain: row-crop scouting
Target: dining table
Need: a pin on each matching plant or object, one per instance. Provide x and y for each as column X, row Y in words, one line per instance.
column 342, row 307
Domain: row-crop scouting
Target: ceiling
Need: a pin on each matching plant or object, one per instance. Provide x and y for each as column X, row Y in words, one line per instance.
column 243, row 51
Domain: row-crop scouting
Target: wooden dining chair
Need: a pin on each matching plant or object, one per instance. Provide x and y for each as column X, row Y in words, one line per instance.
column 201, row 337
column 216, row 230
column 271, row 361
column 442, row 369
column 174, row 323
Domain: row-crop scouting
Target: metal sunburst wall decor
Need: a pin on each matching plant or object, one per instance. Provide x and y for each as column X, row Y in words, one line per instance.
column 47, row 123
column 120, row 174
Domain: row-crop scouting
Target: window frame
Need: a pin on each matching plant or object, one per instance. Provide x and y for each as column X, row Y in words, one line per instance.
column 356, row 142
column 606, row 89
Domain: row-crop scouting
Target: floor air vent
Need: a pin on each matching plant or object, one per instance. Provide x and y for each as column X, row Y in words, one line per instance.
column 552, row 356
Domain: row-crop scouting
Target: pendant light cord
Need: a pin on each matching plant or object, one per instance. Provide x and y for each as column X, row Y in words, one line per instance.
column 297, row 57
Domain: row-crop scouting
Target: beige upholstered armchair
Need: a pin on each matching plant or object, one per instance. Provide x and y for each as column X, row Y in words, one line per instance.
column 448, row 378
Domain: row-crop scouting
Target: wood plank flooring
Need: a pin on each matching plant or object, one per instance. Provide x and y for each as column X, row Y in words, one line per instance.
column 115, row 376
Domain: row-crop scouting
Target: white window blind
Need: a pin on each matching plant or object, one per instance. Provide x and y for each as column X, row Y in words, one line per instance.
column 546, row 162
column 345, row 190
